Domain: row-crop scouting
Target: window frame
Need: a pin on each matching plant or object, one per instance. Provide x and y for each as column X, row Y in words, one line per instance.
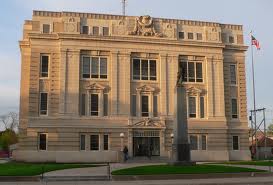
column 199, row 36
column 197, row 141
column 236, row 79
column 133, row 106
column 190, row 33
column 108, row 143
column 103, row 31
column 99, row 68
column 201, row 144
column 234, row 116
column 188, row 103
column 204, row 112
column 90, row 142
column 182, row 33
column 39, row 142
column 140, row 70
column 93, row 28
column 84, row 142
column 90, row 104
column 233, row 142
column 141, row 106
column 48, row 66
column 49, row 30
column 195, row 71
column 47, row 102
column 82, row 29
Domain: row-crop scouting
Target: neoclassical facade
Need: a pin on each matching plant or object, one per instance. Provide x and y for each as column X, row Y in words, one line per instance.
column 93, row 83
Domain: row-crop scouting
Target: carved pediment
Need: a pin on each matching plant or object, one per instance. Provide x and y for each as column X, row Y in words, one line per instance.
column 95, row 86
column 144, row 26
column 146, row 88
column 194, row 90
column 146, row 123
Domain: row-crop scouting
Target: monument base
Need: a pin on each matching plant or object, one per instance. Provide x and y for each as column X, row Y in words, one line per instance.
column 183, row 156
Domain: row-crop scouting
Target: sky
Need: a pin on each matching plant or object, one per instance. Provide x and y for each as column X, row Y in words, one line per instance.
column 256, row 15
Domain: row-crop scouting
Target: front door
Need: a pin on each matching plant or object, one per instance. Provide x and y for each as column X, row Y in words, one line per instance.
column 143, row 146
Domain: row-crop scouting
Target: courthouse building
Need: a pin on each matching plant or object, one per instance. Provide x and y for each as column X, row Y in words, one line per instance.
column 94, row 83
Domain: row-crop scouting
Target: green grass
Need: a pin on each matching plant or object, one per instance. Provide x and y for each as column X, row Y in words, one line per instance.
column 167, row 169
column 257, row 163
column 31, row 169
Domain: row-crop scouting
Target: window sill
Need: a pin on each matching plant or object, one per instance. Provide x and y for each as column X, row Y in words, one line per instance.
column 145, row 81
column 95, row 79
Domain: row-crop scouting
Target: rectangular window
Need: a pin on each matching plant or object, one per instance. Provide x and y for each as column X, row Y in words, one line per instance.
column 103, row 68
column 192, row 107
column 193, row 142
column 203, row 142
column 43, row 103
column 46, row 28
column 231, row 39
column 234, row 108
column 44, row 66
column 202, row 107
column 83, row 99
column 85, row 29
column 105, row 104
column 144, row 69
column 155, row 106
column 133, row 106
column 235, row 142
column 105, row 142
column 82, row 142
column 191, row 71
column 42, row 141
column 94, row 142
column 105, row 31
column 145, row 106
column 86, row 67
column 190, row 36
column 96, row 30
column 199, row 36
column 233, row 78
column 181, row 35
column 95, row 67
column 94, row 101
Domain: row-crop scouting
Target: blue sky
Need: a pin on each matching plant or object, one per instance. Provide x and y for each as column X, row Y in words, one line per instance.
column 256, row 15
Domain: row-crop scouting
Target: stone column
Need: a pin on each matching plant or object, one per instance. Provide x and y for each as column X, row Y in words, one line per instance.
column 114, row 83
column 101, row 103
column 151, row 106
column 163, row 84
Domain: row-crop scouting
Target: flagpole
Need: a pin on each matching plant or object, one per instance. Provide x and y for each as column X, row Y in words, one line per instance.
column 254, row 97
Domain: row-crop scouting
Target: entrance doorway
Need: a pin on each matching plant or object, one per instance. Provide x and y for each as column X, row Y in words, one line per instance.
column 145, row 146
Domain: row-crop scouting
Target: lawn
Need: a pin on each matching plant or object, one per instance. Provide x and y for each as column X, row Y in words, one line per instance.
column 257, row 163
column 31, row 169
column 168, row 169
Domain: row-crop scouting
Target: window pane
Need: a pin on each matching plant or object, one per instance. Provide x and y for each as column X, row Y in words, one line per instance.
column 192, row 107
column 44, row 66
column 83, row 105
column 136, row 69
column 43, row 104
column 204, row 142
column 105, row 31
column 94, row 142
column 155, row 106
column 133, row 105
column 202, row 107
column 191, row 71
column 94, row 105
column 46, row 28
column 105, row 142
column 190, row 35
column 181, row 35
column 96, row 30
column 103, row 68
column 199, row 36
column 145, row 106
column 193, row 142
column 105, row 104
column 234, row 108
column 85, row 30
column 199, row 72
column 95, row 67
column 42, row 142
column 82, row 142
column 152, row 70
column 235, row 142
column 233, row 79
column 144, row 69
column 86, row 67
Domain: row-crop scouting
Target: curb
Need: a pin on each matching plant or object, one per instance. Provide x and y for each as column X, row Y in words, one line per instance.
column 20, row 178
column 189, row 176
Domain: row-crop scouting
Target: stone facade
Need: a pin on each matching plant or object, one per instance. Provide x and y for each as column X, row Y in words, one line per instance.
column 68, row 38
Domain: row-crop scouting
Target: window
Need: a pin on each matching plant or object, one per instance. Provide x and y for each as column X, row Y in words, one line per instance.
column 94, row 101
column 96, row 30
column 203, row 142
column 82, row 142
column 145, row 106
column 181, row 35
column 105, row 142
column 235, row 142
column 105, row 31
column 43, row 103
column 199, row 36
column 42, row 141
column 83, row 99
column 133, row 105
column 94, row 142
column 231, row 39
column 105, row 104
column 194, row 142
column 85, row 29
column 46, row 28
column 190, row 36
column 192, row 71
column 144, row 69
column 44, row 66
column 202, row 107
column 192, row 107
column 233, row 78
column 94, row 67
column 234, row 108
column 155, row 106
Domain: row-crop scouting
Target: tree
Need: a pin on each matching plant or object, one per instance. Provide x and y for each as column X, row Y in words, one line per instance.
column 7, row 138
column 10, row 121
column 270, row 129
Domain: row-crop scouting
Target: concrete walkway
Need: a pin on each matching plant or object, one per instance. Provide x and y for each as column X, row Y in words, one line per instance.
column 266, row 168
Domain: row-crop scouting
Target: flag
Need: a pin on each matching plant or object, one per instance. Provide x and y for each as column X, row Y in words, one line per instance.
column 255, row 42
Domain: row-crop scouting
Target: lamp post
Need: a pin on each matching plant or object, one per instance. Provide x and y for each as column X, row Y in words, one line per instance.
column 121, row 135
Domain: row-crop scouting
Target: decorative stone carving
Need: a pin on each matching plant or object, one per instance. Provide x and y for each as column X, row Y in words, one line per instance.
column 95, row 86
column 144, row 26
column 194, row 91
column 146, row 88
column 149, row 123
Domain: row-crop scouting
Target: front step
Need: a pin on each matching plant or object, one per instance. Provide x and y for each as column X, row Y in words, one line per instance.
column 74, row 178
